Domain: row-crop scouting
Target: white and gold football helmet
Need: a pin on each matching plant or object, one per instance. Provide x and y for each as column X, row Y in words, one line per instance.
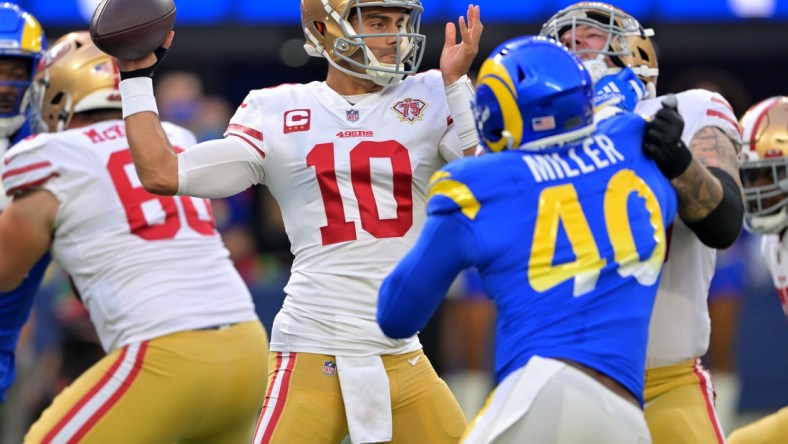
column 75, row 76
column 330, row 34
column 628, row 43
column 763, row 165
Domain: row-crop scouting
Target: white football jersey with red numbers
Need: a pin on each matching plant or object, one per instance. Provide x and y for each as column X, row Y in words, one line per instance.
column 775, row 252
column 144, row 265
column 680, row 324
column 351, row 181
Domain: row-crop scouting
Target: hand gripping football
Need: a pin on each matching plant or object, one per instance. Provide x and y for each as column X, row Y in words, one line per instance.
column 131, row 29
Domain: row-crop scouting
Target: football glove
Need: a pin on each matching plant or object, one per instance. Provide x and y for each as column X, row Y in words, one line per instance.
column 662, row 140
column 160, row 53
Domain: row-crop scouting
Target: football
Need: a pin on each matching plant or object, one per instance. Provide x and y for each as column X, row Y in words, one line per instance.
column 131, row 29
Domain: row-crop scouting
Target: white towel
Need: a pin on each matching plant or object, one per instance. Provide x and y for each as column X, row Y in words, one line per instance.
column 367, row 397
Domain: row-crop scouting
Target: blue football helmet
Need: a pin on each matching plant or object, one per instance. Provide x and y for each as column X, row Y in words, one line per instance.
column 532, row 93
column 21, row 37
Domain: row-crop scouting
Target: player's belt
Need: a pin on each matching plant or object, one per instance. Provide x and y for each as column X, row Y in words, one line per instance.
column 217, row 327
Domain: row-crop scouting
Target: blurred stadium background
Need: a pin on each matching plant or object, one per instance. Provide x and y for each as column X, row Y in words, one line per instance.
column 224, row 48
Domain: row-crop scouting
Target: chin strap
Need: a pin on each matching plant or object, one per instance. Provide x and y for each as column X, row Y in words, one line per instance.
column 598, row 68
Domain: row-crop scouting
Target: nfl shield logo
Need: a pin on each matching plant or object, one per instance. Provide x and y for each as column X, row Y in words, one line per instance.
column 329, row 368
column 352, row 115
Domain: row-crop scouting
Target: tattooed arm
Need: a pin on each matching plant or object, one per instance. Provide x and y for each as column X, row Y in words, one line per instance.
column 709, row 190
column 698, row 189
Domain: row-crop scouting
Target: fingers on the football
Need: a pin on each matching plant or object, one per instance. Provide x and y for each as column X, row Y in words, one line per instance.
column 160, row 52
column 168, row 39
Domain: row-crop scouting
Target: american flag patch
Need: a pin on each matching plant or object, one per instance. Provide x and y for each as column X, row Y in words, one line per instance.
column 329, row 368
column 544, row 123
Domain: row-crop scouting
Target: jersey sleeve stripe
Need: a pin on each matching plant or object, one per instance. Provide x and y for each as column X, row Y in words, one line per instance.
column 724, row 116
column 722, row 101
column 235, row 128
column 27, row 185
column 25, row 169
column 252, row 144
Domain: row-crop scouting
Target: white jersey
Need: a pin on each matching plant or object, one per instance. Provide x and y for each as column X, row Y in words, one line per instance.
column 774, row 249
column 4, row 199
column 680, row 324
column 144, row 265
column 351, row 181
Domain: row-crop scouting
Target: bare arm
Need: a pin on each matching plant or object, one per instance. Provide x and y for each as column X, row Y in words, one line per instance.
column 26, row 229
column 154, row 158
column 698, row 190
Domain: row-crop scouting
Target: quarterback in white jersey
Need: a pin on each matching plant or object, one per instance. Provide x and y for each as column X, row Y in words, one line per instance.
column 348, row 160
column 351, row 180
column 166, row 301
column 704, row 171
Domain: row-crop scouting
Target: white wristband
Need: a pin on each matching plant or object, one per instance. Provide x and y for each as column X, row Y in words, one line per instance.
column 459, row 95
column 137, row 96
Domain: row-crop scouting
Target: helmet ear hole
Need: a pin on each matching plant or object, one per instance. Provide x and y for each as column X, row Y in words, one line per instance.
column 320, row 27
column 520, row 74
column 643, row 54
column 57, row 99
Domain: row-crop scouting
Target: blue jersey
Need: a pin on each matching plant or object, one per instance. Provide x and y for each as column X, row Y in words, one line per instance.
column 569, row 243
column 15, row 307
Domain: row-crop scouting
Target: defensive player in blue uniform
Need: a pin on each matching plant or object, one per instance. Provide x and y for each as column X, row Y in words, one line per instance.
column 22, row 43
column 565, row 221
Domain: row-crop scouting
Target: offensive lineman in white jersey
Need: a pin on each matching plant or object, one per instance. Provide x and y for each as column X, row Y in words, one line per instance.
column 186, row 352
column 678, row 393
column 764, row 174
column 348, row 161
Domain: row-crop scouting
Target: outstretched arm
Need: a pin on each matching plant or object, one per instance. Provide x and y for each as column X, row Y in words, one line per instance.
column 154, row 158
column 415, row 288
